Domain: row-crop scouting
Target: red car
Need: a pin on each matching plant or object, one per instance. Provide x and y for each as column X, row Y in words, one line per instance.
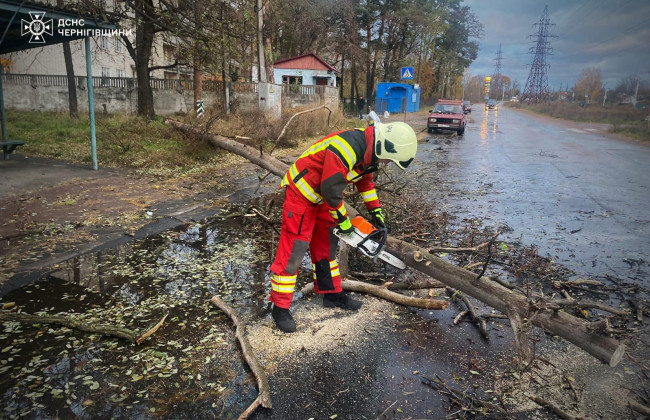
column 447, row 115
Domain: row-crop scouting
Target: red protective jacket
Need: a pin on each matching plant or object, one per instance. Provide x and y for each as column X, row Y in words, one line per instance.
column 323, row 171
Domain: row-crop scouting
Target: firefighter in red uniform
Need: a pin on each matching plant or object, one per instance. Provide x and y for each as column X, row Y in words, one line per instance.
column 313, row 207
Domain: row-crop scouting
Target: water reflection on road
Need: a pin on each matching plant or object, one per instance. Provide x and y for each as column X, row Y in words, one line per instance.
column 578, row 195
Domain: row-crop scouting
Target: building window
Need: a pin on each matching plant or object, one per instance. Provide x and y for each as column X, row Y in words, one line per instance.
column 103, row 43
column 120, row 73
column 169, row 52
column 118, row 45
column 106, row 72
column 292, row 80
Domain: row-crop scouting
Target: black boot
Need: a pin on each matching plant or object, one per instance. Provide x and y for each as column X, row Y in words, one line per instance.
column 283, row 319
column 341, row 300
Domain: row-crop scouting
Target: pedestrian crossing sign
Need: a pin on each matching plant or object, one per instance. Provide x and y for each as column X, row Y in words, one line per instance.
column 407, row 73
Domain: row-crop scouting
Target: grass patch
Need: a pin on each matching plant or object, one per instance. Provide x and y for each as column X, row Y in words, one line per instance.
column 623, row 119
column 122, row 141
column 155, row 148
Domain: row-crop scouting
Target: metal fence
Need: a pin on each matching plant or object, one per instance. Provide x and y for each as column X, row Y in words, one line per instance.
column 127, row 82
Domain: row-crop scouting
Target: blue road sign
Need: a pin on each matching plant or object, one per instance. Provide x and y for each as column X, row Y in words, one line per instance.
column 407, row 73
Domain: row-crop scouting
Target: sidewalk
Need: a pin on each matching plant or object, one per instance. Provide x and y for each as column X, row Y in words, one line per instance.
column 52, row 211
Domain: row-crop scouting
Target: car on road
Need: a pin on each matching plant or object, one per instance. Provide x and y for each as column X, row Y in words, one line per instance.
column 467, row 107
column 491, row 104
column 447, row 115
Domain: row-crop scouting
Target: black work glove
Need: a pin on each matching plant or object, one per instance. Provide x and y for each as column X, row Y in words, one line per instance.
column 378, row 217
column 345, row 227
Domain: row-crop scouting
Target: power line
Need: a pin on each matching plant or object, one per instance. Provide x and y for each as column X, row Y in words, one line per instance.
column 496, row 76
column 626, row 31
column 536, row 89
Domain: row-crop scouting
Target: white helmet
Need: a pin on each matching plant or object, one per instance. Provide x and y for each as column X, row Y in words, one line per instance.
column 396, row 141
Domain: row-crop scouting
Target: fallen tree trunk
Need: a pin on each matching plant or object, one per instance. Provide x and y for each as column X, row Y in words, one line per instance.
column 556, row 322
column 507, row 301
column 382, row 292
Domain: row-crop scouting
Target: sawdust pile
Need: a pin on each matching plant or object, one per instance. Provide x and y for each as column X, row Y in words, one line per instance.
column 319, row 330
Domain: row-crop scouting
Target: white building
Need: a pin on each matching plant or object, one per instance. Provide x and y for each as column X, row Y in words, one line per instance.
column 307, row 69
column 109, row 57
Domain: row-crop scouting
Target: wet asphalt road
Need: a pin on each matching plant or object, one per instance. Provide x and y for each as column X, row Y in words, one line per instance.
column 581, row 197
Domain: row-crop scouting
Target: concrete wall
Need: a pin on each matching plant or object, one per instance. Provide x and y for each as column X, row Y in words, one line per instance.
column 270, row 100
column 266, row 97
column 323, row 95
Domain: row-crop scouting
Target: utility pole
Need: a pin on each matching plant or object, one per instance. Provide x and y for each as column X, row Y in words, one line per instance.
column 536, row 89
column 259, row 8
column 635, row 93
column 496, row 76
column 605, row 98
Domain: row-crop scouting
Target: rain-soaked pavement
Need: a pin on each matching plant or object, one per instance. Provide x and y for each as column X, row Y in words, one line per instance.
column 580, row 197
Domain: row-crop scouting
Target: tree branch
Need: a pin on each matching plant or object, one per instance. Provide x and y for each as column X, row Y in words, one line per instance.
column 264, row 394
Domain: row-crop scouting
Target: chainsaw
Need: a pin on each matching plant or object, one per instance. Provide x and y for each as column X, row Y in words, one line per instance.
column 369, row 240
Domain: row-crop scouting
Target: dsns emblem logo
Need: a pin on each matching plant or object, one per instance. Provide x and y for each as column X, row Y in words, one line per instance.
column 36, row 28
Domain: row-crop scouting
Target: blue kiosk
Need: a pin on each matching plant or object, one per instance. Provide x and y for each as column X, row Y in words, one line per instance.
column 397, row 97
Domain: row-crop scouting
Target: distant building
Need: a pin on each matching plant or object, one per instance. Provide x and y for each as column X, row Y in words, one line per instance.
column 307, row 69
column 109, row 56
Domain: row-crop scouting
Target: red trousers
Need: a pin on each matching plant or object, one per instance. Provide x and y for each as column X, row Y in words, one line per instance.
column 305, row 225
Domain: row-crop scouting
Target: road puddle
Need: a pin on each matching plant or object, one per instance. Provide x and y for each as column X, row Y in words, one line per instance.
column 186, row 368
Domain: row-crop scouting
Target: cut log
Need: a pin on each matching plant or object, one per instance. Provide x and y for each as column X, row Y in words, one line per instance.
column 382, row 292
column 560, row 323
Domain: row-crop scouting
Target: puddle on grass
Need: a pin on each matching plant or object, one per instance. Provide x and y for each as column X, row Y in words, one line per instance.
column 187, row 370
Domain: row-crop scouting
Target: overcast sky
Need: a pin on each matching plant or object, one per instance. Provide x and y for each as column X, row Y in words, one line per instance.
column 612, row 35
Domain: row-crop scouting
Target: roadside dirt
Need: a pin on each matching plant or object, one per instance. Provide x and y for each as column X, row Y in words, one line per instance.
column 61, row 217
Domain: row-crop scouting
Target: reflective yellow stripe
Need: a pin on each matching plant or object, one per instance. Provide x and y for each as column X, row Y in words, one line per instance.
column 341, row 145
column 345, row 149
column 308, row 191
column 369, row 195
column 284, row 279
column 352, row 175
column 305, row 189
column 341, row 209
column 283, row 284
column 283, row 289
column 334, row 269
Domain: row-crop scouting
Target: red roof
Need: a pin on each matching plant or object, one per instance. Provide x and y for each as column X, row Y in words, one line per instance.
column 308, row 61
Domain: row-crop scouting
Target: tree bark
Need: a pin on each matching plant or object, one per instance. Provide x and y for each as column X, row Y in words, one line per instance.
column 144, row 35
column 556, row 322
column 73, row 107
column 382, row 292
column 80, row 325
column 197, row 69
